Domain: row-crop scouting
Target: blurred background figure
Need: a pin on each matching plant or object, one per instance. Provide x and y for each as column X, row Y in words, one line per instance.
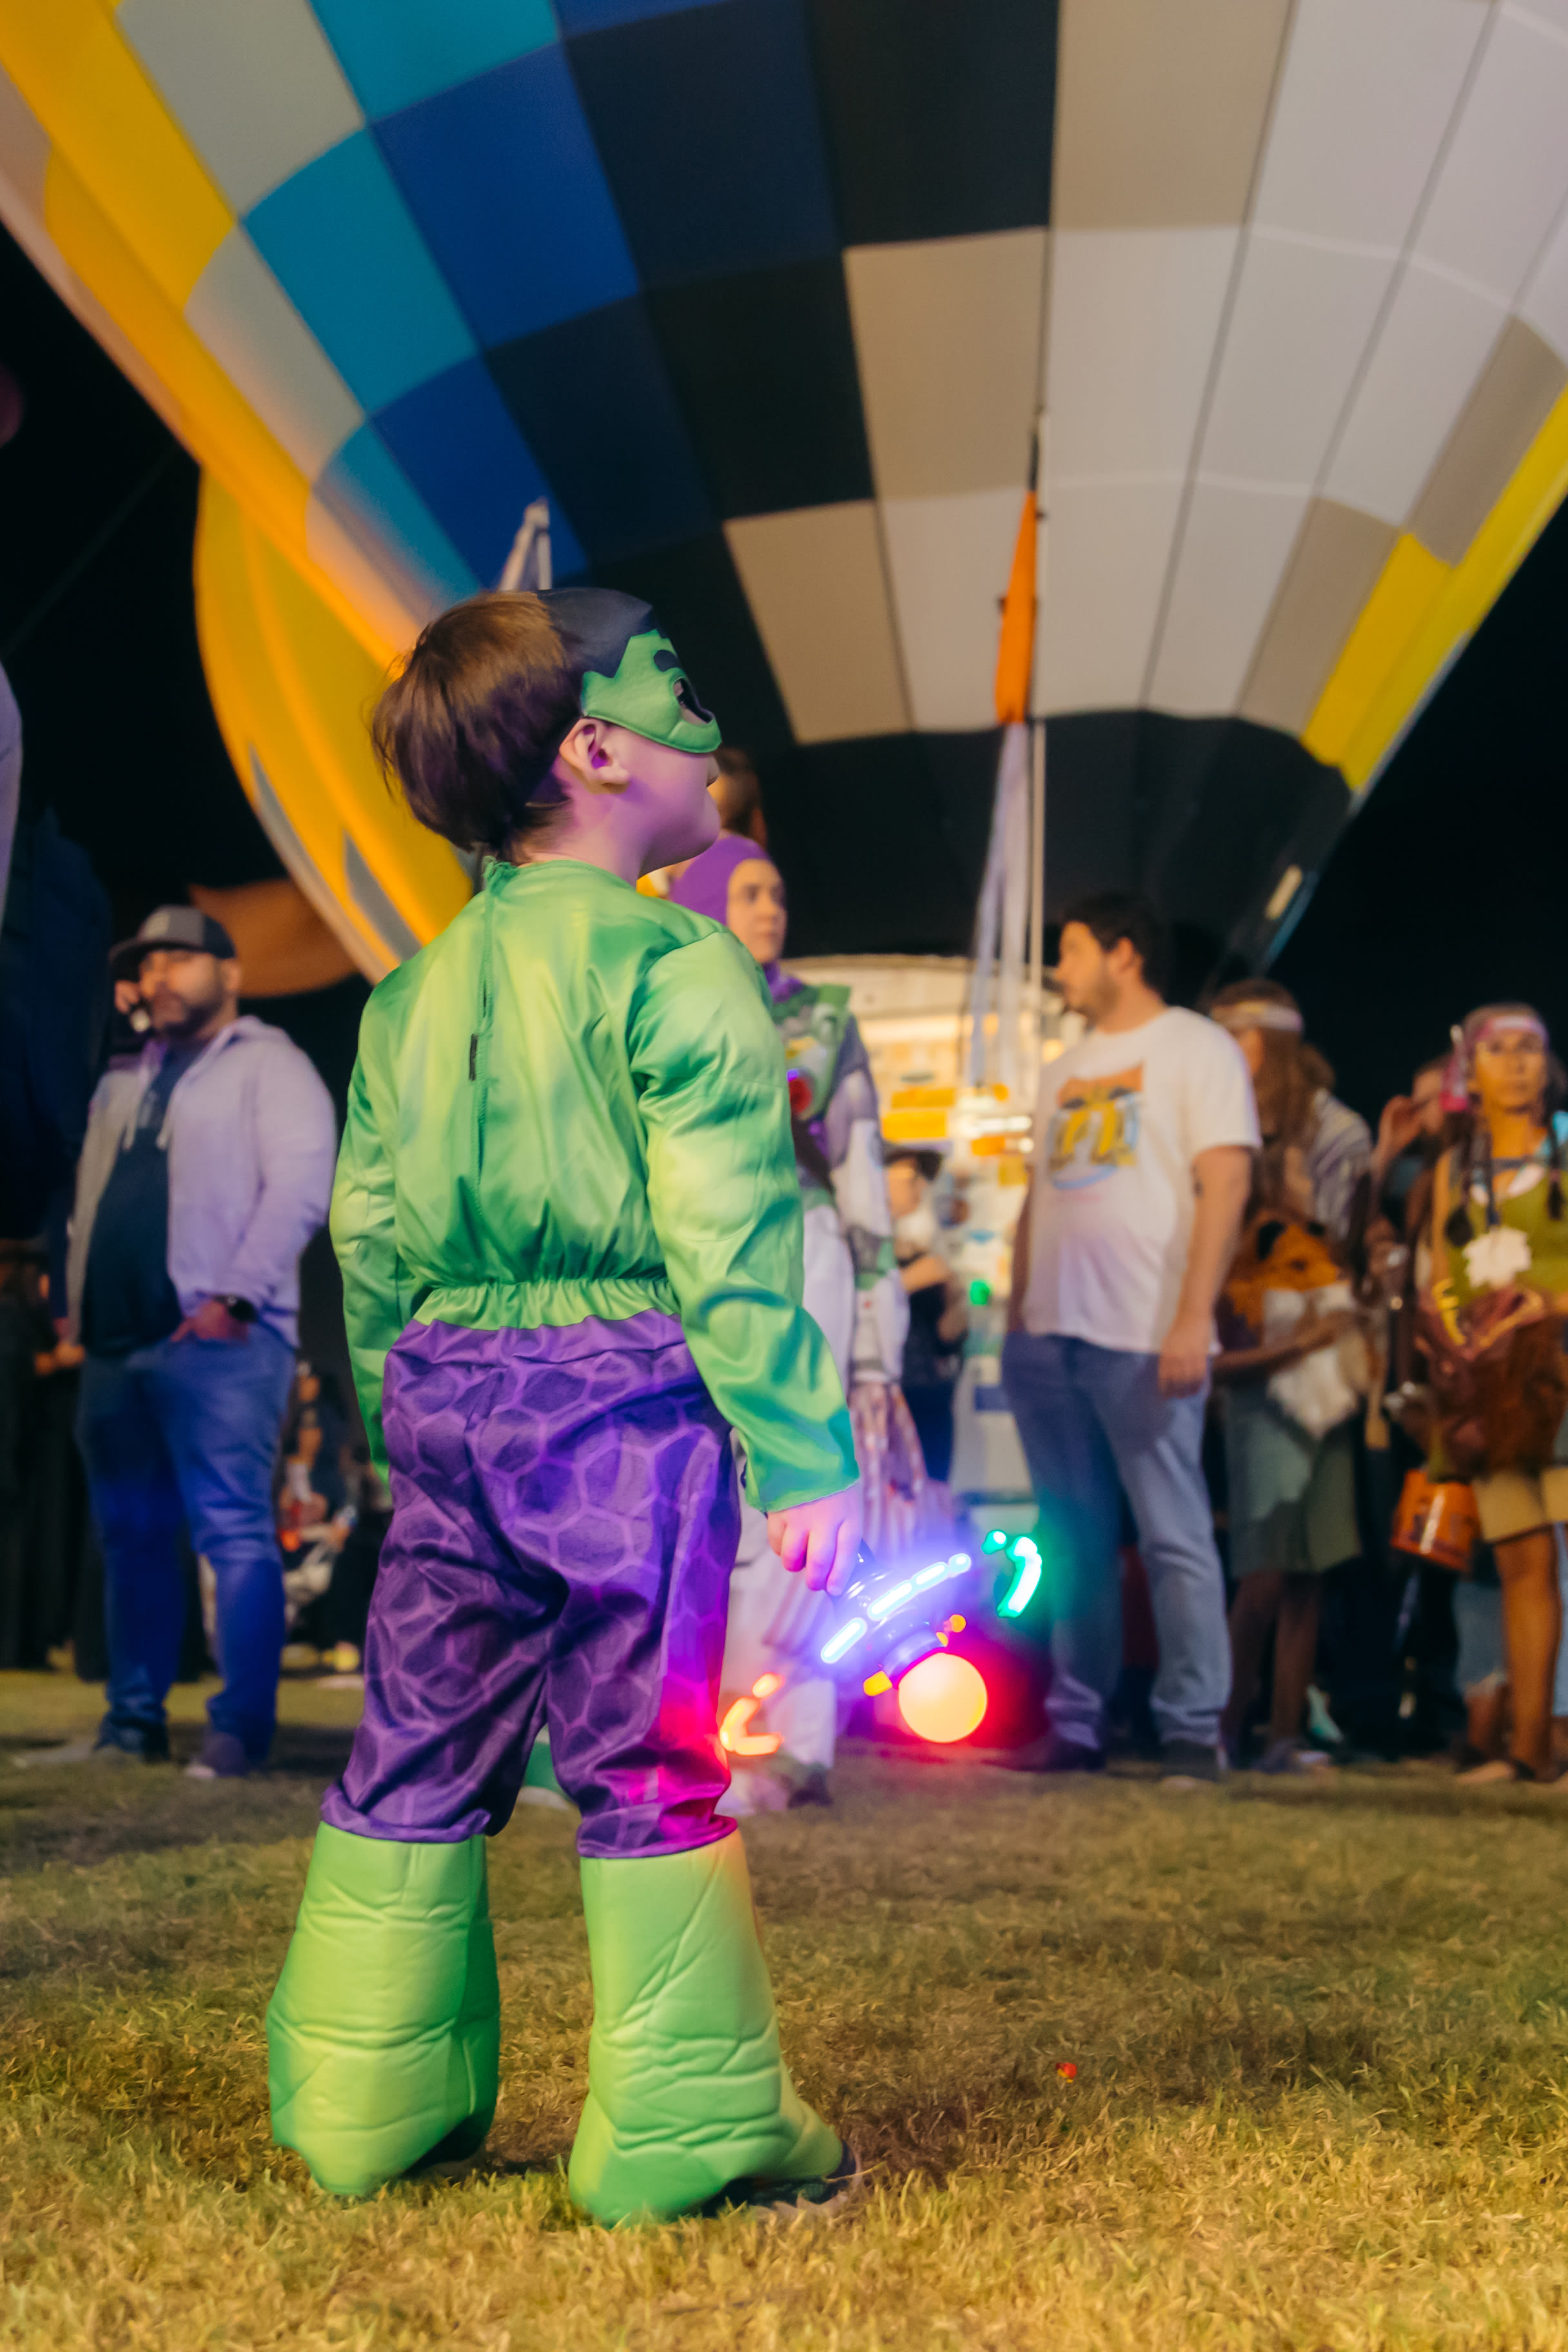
column 939, row 1315
column 1290, row 1468
column 51, row 1573
column 853, row 1292
column 739, row 794
column 10, row 769
column 1407, row 1148
column 206, row 1168
column 314, row 1515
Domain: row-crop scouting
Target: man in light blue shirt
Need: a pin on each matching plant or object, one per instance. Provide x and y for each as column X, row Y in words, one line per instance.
column 206, row 1168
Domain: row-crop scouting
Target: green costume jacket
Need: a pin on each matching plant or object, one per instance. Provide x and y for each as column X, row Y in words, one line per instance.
column 573, row 1103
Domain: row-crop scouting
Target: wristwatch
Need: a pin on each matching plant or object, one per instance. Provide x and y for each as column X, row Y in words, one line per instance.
column 243, row 1310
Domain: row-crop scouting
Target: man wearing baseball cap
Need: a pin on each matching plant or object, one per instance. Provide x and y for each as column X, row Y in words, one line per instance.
column 206, row 1168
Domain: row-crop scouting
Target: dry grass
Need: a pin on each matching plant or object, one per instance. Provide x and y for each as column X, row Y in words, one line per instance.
column 1321, row 2045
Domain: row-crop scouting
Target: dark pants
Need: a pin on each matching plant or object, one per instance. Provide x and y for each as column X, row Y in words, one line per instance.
column 931, row 1410
column 185, row 1433
column 563, row 1527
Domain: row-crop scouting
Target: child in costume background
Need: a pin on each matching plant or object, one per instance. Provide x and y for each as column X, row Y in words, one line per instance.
column 853, row 1291
column 569, row 1232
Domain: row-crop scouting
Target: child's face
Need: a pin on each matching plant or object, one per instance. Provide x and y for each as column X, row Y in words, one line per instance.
column 758, row 911
column 906, row 1187
column 667, row 793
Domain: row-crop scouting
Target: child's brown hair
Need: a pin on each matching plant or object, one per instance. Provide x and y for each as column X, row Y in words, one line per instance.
column 471, row 724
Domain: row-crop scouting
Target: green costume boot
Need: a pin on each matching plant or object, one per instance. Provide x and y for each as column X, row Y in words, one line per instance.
column 687, row 2094
column 384, row 2034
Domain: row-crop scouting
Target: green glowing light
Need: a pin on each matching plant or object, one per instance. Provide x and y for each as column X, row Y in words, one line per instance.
column 979, row 1292
column 1023, row 1585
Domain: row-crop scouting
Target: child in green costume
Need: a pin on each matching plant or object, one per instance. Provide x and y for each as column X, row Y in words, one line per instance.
column 569, row 1231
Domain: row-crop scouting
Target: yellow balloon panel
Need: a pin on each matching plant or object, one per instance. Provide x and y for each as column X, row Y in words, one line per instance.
column 293, row 690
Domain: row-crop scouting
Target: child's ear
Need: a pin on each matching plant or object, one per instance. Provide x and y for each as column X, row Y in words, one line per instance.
column 591, row 753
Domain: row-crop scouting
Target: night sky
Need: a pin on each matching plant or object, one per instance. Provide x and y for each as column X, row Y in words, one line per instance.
column 1445, row 890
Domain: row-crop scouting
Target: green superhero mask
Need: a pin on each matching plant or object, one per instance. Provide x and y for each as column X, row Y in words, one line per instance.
column 631, row 673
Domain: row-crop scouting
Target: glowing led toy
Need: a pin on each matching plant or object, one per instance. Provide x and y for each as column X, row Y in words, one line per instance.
column 735, row 1731
column 893, row 1617
column 942, row 1698
column 889, row 1621
column 1028, row 1567
column 1027, row 1582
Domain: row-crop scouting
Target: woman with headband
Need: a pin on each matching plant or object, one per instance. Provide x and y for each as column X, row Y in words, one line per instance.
column 1497, row 1227
column 853, row 1293
column 1291, row 1491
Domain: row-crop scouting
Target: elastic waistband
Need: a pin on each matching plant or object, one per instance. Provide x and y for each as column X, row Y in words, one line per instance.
column 539, row 1306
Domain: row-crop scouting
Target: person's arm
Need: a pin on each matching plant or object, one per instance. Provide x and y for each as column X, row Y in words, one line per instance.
column 1437, row 1216
column 296, row 1141
column 1221, row 1179
column 725, row 1201
column 853, row 1134
column 376, row 1306
column 1339, row 1169
column 1303, row 1339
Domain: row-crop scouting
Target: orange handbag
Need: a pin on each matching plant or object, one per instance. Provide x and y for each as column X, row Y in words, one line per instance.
column 1437, row 1520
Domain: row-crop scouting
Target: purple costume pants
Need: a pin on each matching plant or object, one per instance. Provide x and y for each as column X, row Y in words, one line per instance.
column 564, row 1523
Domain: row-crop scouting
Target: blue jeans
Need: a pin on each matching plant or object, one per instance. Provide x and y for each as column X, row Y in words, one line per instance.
column 1095, row 1426
column 185, row 1433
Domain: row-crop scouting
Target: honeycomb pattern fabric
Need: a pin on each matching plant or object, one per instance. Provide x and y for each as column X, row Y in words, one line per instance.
column 565, row 1518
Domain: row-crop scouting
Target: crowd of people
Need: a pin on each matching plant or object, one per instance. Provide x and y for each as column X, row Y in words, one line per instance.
column 1310, row 1380
column 1387, row 1384
column 1311, row 1376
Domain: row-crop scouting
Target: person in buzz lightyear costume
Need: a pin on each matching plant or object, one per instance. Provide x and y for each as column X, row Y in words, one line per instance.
column 853, row 1292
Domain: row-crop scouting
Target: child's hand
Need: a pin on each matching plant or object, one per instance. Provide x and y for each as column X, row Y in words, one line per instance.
column 821, row 1537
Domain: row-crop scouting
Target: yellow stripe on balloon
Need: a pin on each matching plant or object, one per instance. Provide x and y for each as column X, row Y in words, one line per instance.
column 290, row 682
column 217, row 424
column 1422, row 612
column 132, row 212
column 1408, row 586
column 106, row 119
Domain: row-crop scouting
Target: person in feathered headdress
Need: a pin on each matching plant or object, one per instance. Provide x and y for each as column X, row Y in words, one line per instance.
column 1491, row 1328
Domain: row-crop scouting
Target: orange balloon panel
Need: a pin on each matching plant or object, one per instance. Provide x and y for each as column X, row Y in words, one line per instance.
column 942, row 1698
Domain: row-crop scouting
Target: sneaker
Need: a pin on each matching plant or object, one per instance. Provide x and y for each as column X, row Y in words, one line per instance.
column 1283, row 1756
column 1189, row 1764
column 223, row 1757
column 821, row 2200
column 1501, row 1771
column 74, row 1752
column 1052, row 1753
column 150, row 1747
column 811, row 1788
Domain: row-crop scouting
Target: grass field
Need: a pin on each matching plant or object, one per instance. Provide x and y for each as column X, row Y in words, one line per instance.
column 1320, row 2040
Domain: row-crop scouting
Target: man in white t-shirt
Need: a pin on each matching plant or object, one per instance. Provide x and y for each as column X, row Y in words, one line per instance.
column 1143, row 1143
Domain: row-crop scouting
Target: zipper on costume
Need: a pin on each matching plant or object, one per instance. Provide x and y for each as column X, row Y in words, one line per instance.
column 478, row 1040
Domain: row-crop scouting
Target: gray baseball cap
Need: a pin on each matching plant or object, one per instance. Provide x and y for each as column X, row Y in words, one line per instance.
column 169, row 926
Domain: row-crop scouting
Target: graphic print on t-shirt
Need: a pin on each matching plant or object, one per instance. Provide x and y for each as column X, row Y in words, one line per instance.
column 1094, row 1128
